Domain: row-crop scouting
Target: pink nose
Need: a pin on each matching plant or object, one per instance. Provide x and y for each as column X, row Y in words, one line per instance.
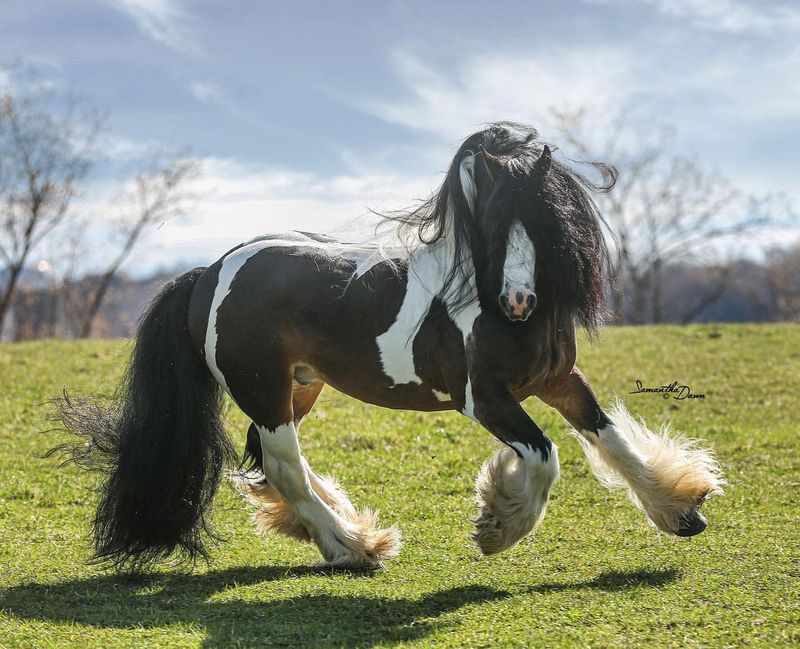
column 517, row 301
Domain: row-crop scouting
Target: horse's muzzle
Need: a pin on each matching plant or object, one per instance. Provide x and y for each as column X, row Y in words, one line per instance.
column 517, row 301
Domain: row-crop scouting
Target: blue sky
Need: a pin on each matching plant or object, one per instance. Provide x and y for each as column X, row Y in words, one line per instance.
column 305, row 113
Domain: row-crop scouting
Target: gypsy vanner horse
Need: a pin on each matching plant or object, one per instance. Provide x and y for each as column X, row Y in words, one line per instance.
column 477, row 316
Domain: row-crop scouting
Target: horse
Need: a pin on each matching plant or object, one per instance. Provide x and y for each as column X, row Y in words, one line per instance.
column 478, row 314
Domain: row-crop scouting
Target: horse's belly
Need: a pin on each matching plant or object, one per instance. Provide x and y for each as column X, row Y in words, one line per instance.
column 407, row 396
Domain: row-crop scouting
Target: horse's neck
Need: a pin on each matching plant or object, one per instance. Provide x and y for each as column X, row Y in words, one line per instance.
column 431, row 266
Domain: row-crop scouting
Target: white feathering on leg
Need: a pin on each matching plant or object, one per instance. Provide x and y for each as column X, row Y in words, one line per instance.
column 360, row 528
column 512, row 494
column 666, row 475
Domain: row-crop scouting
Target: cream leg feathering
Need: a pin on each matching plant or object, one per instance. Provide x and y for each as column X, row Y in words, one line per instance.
column 667, row 476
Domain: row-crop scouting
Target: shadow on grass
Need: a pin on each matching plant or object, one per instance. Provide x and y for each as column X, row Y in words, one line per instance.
column 122, row 601
column 614, row 581
column 152, row 601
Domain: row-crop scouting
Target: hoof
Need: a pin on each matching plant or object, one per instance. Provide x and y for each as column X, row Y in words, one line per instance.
column 692, row 524
column 488, row 534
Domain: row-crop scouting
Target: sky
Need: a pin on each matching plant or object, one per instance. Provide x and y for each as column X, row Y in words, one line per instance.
column 308, row 114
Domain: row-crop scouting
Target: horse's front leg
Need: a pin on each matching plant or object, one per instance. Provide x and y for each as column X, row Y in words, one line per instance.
column 667, row 476
column 513, row 486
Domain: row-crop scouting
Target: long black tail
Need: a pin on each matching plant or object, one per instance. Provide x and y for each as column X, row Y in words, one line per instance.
column 161, row 443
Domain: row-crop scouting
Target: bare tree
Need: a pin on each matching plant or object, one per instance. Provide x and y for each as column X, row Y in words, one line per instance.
column 783, row 278
column 154, row 195
column 707, row 292
column 44, row 157
column 666, row 208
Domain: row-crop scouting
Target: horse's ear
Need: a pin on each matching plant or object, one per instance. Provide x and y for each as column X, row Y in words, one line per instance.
column 492, row 164
column 545, row 161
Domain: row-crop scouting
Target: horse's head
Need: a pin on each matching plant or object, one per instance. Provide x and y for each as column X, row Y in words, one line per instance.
column 504, row 197
column 524, row 223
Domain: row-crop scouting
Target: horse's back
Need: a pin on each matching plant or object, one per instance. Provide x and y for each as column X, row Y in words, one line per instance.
column 258, row 278
column 296, row 298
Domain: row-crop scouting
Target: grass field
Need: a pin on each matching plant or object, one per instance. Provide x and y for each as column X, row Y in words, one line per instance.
column 594, row 575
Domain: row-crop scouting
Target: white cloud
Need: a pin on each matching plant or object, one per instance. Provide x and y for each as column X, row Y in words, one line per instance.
column 237, row 202
column 29, row 78
column 734, row 16
column 119, row 149
column 209, row 93
column 490, row 87
column 163, row 20
column 713, row 101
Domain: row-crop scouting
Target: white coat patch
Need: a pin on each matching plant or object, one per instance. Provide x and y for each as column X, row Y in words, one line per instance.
column 234, row 262
column 426, row 276
column 227, row 272
column 425, row 280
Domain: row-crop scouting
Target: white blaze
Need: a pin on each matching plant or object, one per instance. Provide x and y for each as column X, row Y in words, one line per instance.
column 520, row 257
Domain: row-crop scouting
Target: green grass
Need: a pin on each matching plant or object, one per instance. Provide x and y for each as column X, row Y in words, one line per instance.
column 594, row 575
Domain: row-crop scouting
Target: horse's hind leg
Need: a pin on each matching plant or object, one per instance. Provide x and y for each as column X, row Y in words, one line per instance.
column 296, row 501
column 666, row 476
column 304, row 395
column 272, row 513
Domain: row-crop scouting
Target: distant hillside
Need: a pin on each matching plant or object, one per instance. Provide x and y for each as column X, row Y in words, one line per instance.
column 45, row 310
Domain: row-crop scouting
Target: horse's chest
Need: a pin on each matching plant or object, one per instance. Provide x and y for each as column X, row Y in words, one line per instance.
column 521, row 356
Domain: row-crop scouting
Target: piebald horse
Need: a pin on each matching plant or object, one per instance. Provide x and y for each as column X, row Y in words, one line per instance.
column 479, row 315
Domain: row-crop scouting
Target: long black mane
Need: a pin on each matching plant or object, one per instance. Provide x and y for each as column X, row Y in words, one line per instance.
column 556, row 208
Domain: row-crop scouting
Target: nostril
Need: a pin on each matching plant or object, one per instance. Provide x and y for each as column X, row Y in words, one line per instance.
column 503, row 300
column 531, row 301
column 520, row 298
